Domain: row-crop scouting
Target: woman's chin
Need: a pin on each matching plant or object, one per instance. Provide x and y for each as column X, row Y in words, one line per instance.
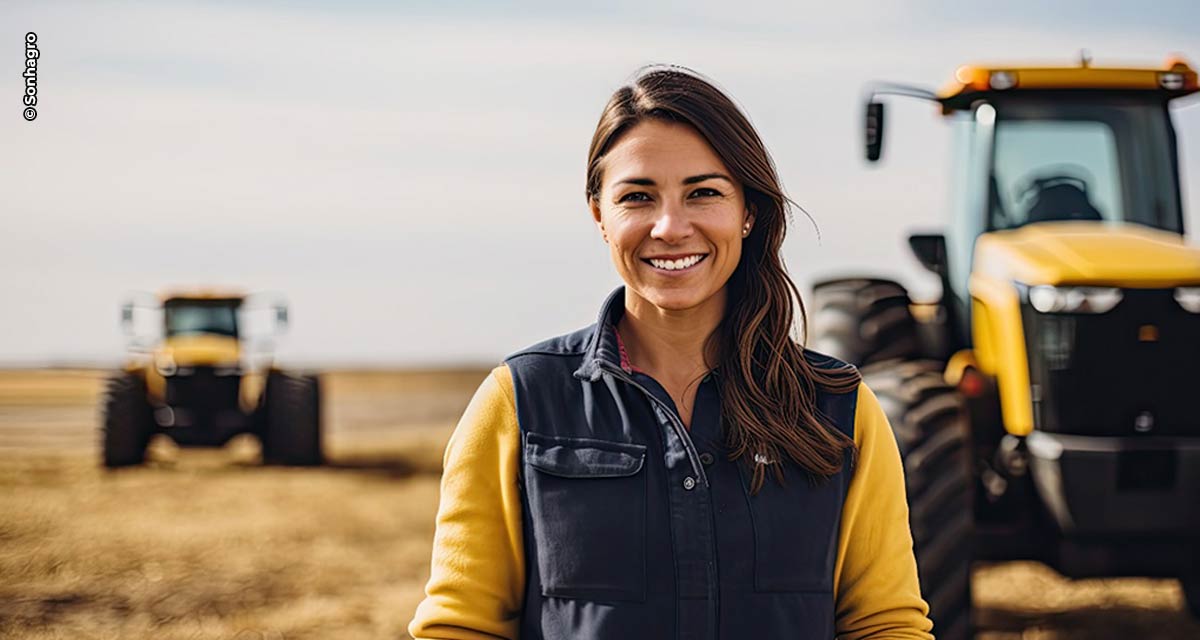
column 676, row 298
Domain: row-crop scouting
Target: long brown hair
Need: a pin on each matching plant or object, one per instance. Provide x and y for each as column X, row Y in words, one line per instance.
column 768, row 388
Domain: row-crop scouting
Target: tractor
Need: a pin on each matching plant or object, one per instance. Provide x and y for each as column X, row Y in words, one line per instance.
column 1041, row 404
column 194, row 380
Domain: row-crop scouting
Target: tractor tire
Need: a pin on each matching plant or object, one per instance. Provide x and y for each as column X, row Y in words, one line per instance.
column 127, row 421
column 933, row 434
column 290, row 420
column 863, row 320
column 1191, row 594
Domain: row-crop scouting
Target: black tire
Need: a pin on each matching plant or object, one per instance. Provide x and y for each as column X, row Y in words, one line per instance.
column 290, row 420
column 933, row 434
column 1191, row 594
column 127, row 422
column 863, row 320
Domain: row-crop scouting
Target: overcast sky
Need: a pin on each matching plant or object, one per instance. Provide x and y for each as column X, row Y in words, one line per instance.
column 411, row 176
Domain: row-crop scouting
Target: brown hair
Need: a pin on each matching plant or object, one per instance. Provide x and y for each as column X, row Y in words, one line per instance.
column 768, row 388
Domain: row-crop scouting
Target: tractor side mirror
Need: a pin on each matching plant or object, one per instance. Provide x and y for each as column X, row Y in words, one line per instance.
column 930, row 250
column 874, row 131
column 281, row 318
column 127, row 318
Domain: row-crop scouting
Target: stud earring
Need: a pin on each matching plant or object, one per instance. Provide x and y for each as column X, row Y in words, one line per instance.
column 745, row 231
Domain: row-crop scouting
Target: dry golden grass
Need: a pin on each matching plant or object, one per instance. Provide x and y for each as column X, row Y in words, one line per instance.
column 207, row 544
column 50, row 387
column 210, row 548
column 1028, row 600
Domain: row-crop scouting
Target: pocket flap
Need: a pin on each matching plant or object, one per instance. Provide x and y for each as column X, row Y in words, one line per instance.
column 583, row 457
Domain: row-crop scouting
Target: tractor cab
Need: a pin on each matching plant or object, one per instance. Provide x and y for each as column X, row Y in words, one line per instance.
column 189, row 316
column 1095, row 156
column 205, row 327
column 1048, row 144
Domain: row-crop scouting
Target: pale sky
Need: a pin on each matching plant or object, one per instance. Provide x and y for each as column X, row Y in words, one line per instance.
column 411, row 176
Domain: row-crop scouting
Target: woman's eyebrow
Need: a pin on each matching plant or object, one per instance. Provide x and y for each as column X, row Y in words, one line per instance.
column 647, row 182
column 707, row 176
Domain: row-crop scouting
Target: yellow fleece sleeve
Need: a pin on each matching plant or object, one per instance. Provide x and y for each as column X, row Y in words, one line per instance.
column 476, row 584
column 875, row 575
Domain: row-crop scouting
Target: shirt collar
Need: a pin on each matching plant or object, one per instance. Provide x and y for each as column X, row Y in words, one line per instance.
column 625, row 363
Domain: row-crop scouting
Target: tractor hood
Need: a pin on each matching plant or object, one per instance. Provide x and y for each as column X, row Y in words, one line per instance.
column 1084, row 252
column 199, row 350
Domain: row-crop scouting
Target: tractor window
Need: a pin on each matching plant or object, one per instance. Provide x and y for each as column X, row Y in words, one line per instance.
column 1069, row 160
column 194, row 318
column 1054, row 170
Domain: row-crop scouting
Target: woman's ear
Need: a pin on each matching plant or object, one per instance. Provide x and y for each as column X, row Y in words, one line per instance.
column 594, row 205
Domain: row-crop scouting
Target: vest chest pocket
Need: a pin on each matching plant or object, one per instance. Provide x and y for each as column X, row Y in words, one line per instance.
column 795, row 533
column 587, row 503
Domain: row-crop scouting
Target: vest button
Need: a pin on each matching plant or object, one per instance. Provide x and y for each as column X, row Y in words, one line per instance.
column 706, row 458
column 689, row 483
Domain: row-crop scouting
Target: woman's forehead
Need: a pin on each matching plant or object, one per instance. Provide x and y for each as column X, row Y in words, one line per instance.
column 661, row 150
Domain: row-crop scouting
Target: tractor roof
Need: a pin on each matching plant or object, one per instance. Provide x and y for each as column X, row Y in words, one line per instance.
column 201, row 293
column 971, row 82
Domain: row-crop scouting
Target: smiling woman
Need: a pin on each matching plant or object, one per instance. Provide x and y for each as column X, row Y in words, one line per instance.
column 674, row 221
column 613, row 482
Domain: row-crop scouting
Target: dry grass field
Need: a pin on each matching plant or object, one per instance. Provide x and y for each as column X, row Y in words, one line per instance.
column 207, row 544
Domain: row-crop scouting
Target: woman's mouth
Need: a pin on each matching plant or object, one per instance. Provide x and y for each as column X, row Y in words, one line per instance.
column 676, row 265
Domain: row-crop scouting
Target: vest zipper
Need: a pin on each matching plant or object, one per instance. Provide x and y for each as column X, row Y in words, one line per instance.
column 673, row 418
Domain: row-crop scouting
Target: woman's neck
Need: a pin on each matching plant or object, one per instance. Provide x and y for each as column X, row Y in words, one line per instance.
column 671, row 343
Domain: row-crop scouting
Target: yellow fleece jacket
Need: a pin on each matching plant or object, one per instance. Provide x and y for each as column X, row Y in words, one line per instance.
column 477, row 580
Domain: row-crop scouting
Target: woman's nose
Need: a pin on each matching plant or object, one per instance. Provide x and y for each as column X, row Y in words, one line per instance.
column 672, row 224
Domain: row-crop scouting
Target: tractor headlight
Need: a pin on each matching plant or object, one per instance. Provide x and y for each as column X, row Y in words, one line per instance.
column 1001, row 80
column 1171, row 81
column 1048, row 299
column 1188, row 298
column 165, row 365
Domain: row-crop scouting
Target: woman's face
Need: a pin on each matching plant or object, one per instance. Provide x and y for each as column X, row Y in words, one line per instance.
column 671, row 213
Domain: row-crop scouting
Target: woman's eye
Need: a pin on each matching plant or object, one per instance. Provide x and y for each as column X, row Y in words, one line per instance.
column 642, row 196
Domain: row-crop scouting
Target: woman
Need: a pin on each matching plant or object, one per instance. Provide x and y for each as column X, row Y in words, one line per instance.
column 682, row 468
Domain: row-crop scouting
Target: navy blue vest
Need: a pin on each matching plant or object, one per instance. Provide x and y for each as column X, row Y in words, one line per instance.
column 636, row 527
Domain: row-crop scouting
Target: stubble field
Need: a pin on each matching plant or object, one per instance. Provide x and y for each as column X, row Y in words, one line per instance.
column 207, row 544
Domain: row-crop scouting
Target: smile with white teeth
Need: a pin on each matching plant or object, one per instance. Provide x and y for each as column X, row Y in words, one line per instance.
column 675, row 265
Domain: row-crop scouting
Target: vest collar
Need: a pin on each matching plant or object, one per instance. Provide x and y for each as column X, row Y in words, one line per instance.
column 602, row 345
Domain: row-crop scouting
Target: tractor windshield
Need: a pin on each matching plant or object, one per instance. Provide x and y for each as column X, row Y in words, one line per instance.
column 184, row 317
column 1083, row 159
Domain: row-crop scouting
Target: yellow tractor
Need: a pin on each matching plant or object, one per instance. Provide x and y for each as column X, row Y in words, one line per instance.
column 193, row 380
column 1042, row 405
